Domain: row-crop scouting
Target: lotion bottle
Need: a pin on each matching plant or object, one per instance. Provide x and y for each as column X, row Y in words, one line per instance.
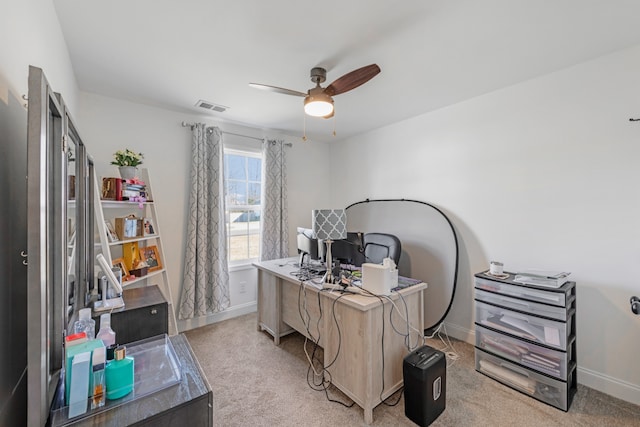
column 119, row 374
column 106, row 334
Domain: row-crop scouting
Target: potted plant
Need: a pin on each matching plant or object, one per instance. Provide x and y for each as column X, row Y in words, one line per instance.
column 127, row 162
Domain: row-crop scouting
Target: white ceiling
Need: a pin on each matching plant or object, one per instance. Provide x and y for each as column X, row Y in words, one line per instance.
column 171, row 53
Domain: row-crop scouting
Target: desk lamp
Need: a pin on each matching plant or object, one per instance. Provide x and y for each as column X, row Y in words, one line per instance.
column 329, row 225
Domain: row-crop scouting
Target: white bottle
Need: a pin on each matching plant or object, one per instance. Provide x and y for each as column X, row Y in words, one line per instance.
column 85, row 323
column 105, row 333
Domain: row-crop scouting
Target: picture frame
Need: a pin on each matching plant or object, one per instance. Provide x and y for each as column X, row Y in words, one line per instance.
column 109, row 188
column 129, row 227
column 119, row 262
column 131, row 255
column 111, row 232
column 151, row 255
column 149, row 227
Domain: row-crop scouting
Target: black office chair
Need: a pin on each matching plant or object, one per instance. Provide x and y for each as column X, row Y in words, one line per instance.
column 378, row 246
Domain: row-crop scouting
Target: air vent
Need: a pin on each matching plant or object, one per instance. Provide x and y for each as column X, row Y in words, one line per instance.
column 211, row 106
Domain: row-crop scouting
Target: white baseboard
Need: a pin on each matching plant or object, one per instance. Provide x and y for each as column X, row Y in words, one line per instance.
column 595, row 380
column 461, row 333
column 229, row 313
column 609, row 385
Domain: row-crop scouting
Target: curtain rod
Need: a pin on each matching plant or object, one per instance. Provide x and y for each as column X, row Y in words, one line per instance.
column 191, row 125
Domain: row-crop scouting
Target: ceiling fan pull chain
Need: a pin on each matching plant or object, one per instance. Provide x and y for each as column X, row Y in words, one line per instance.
column 334, row 124
column 304, row 127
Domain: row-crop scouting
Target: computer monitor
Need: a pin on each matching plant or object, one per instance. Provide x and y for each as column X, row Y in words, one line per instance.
column 346, row 251
column 349, row 250
column 309, row 245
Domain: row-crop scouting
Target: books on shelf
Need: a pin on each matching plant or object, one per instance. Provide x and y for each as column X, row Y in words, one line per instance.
column 119, row 189
column 549, row 279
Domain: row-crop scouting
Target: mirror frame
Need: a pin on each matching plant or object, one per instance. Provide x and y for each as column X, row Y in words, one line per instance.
column 50, row 312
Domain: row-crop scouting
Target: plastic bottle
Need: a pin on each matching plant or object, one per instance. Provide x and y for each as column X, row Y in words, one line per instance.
column 85, row 323
column 119, row 375
column 106, row 334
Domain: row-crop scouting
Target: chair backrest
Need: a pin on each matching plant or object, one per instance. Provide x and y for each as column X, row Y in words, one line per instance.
column 378, row 246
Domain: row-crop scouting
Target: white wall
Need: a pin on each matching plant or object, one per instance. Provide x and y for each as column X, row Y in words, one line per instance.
column 31, row 35
column 107, row 124
column 542, row 174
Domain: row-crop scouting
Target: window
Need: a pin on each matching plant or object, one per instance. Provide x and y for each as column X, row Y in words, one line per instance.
column 242, row 190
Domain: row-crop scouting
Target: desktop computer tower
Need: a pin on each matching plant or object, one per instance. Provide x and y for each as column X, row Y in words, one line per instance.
column 425, row 385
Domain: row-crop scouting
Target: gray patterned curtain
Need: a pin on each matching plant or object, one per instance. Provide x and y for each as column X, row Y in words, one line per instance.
column 205, row 284
column 274, row 240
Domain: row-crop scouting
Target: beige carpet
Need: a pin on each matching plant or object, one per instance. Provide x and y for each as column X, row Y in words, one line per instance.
column 256, row 383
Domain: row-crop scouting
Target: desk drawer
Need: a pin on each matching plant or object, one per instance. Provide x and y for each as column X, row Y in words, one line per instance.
column 554, row 392
column 536, row 295
column 542, row 331
column 550, row 311
column 542, row 359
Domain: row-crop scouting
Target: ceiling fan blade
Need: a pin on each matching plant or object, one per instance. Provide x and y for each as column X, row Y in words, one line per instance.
column 352, row 80
column 277, row 89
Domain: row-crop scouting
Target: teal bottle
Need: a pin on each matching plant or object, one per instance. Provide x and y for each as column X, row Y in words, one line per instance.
column 119, row 374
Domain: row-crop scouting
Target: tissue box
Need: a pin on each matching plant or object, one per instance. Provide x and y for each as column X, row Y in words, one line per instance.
column 379, row 279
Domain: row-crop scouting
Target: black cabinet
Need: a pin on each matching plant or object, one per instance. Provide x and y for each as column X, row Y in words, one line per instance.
column 144, row 315
column 13, row 235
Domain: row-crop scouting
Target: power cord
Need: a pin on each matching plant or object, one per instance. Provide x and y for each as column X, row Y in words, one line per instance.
column 451, row 355
column 323, row 375
column 380, row 298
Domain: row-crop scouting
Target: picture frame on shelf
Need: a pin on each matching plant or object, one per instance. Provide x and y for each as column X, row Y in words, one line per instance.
column 149, row 227
column 110, row 188
column 129, row 227
column 131, row 255
column 119, row 262
column 111, row 232
column 151, row 256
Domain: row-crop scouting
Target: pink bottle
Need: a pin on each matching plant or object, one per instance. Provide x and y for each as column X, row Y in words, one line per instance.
column 105, row 333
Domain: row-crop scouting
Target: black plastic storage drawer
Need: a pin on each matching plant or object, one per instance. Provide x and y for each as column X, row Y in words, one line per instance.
column 526, row 337
column 561, row 297
column 544, row 310
column 542, row 359
column 548, row 390
column 551, row 333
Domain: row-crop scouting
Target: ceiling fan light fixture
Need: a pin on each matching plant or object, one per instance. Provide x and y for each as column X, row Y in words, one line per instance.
column 318, row 104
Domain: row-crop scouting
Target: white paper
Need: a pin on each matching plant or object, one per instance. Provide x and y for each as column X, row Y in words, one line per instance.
column 551, row 336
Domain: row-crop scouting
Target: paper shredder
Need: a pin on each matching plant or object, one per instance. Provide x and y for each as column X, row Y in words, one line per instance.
column 425, row 384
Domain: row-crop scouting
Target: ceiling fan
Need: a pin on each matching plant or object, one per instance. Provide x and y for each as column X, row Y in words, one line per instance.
column 318, row 101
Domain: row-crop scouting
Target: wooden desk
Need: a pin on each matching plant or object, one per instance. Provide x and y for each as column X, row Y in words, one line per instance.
column 357, row 371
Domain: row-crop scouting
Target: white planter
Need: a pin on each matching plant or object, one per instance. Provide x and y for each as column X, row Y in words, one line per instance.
column 128, row 172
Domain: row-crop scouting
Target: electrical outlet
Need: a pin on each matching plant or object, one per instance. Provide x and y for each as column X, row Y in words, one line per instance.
column 243, row 287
